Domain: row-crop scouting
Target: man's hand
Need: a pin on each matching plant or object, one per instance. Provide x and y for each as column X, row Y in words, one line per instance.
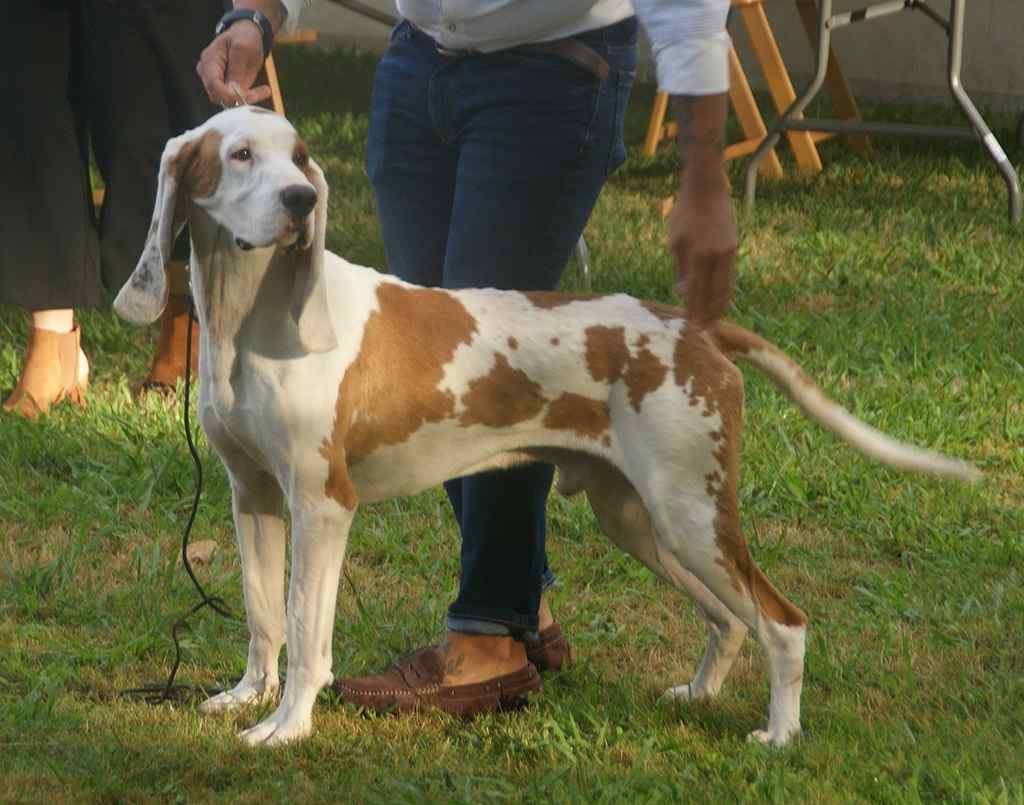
column 702, row 236
column 229, row 66
column 234, row 58
column 702, row 228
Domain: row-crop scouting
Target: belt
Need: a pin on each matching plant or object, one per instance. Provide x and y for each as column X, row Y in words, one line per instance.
column 569, row 49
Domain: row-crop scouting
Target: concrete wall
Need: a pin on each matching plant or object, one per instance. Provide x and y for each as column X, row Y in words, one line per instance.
column 899, row 57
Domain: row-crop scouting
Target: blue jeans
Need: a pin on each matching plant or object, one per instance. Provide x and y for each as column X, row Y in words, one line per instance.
column 486, row 168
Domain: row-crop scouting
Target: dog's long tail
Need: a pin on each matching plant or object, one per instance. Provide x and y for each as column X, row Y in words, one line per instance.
column 742, row 344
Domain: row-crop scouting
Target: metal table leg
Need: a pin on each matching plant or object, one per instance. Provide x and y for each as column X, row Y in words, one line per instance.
column 954, row 31
column 988, row 139
column 797, row 107
column 582, row 253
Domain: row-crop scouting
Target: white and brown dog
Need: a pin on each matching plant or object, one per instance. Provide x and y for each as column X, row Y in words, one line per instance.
column 327, row 384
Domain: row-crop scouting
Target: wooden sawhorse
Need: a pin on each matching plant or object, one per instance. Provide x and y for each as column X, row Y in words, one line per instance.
column 780, row 87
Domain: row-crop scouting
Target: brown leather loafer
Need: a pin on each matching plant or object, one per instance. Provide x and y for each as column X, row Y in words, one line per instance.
column 550, row 651
column 414, row 683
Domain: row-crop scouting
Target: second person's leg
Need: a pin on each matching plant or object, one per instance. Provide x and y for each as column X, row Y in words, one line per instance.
column 536, row 137
column 539, row 137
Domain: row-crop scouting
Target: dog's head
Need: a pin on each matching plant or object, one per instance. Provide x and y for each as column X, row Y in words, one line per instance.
column 247, row 169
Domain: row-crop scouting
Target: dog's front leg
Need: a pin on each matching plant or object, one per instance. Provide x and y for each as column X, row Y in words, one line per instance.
column 257, row 503
column 319, row 536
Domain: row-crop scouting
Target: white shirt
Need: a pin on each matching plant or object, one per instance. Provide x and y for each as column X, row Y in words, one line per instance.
column 688, row 37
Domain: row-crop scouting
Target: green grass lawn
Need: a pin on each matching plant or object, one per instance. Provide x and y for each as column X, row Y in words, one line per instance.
column 896, row 281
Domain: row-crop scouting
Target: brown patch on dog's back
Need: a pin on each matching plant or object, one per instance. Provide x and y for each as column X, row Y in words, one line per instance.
column 663, row 311
column 546, row 300
column 645, row 374
column 408, row 340
column 583, row 416
column 698, row 363
column 606, row 352
column 609, row 360
column 502, row 397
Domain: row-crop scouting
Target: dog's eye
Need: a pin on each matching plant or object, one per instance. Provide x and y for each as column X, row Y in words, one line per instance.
column 242, row 155
column 300, row 159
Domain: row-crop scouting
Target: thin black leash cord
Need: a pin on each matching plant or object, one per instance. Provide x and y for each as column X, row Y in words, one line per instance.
column 157, row 693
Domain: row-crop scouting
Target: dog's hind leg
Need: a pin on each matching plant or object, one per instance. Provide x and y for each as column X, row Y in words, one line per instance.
column 320, row 529
column 725, row 636
column 623, row 517
column 256, row 501
column 725, row 568
column 696, row 516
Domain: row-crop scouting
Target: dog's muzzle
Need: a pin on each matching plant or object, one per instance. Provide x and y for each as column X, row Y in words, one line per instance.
column 299, row 200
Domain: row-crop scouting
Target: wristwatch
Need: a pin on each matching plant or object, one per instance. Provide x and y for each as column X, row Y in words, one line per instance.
column 252, row 15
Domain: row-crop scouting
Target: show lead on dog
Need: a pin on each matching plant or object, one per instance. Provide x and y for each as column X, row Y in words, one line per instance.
column 492, row 132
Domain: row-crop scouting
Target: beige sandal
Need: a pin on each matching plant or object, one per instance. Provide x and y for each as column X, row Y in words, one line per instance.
column 55, row 369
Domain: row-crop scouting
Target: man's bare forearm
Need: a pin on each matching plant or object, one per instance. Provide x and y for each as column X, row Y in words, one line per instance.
column 702, row 229
column 701, row 136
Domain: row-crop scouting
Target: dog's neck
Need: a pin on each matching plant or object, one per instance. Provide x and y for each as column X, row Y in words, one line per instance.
column 242, row 297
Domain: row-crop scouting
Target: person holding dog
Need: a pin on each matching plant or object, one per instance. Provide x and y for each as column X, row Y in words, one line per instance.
column 118, row 77
column 492, row 133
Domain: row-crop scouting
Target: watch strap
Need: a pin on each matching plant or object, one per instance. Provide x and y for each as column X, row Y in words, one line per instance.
column 252, row 15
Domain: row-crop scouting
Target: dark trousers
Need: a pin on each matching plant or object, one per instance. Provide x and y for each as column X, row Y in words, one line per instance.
column 121, row 73
column 486, row 169
column 145, row 91
column 49, row 257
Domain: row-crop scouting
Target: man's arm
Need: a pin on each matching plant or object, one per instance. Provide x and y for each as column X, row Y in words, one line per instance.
column 235, row 57
column 691, row 48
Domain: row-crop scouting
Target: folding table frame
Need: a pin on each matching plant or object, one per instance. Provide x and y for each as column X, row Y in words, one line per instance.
column 792, row 119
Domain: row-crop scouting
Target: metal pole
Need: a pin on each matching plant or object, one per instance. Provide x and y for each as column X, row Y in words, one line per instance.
column 771, row 139
column 988, row 139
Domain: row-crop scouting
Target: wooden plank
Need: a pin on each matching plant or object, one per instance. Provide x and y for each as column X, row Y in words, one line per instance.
column 750, row 119
column 275, row 88
column 781, row 88
column 301, row 36
column 745, row 105
column 654, row 125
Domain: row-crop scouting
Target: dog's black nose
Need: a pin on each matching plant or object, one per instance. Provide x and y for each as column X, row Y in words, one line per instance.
column 298, row 199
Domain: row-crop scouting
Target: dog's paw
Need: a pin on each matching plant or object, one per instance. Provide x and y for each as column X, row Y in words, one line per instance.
column 274, row 732
column 242, row 694
column 680, row 694
column 774, row 737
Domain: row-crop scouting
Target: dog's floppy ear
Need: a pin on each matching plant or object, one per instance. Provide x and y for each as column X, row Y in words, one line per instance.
column 143, row 297
column 310, row 308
